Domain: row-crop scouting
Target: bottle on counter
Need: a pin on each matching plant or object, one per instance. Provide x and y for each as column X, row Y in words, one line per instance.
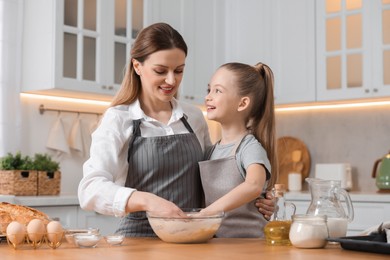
column 277, row 230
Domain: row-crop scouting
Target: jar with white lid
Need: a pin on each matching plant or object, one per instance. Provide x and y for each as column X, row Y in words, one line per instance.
column 308, row 231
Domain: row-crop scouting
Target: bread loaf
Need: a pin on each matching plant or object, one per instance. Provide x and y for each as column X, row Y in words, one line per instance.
column 23, row 214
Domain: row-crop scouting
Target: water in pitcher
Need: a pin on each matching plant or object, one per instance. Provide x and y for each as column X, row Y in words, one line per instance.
column 337, row 227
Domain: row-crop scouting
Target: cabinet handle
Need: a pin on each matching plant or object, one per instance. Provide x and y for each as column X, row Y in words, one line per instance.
column 367, row 90
column 108, row 87
column 375, row 90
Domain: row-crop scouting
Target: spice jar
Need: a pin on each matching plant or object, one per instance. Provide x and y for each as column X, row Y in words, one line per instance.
column 308, row 231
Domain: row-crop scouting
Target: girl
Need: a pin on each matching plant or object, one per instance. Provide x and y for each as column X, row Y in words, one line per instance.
column 238, row 167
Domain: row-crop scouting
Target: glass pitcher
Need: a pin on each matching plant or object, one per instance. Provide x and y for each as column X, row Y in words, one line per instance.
column 325, row 200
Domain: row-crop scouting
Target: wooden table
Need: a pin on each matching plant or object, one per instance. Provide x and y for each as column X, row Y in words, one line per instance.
column 153, row 248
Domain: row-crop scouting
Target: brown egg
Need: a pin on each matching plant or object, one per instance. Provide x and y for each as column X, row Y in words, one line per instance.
column 36, row 230
column 54, row 231
column 16, row 232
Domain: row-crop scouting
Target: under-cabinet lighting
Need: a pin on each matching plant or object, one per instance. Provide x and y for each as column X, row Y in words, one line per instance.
column 333, row 106
column 302, row 107
column 67, row 99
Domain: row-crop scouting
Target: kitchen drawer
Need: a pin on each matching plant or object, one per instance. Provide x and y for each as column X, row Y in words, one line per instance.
column 67, row 215
column 89, row 219
column 368, row 215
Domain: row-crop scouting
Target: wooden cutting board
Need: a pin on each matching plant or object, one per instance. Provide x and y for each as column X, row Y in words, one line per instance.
column 287, row 148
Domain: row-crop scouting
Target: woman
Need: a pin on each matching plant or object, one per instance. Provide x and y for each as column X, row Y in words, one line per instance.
column 145, row 153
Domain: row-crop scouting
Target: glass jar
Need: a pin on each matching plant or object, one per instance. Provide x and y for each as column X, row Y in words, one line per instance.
column 277, row 230
column 308, row 231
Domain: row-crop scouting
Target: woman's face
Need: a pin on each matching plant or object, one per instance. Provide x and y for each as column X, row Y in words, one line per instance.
column 161, row 74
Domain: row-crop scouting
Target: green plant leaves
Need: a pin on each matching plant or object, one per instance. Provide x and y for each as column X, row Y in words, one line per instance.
column 40, row 162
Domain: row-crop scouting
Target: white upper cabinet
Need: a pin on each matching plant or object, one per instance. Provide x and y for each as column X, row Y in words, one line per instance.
column 293, row 50
column 74, row 47
column 201, row 23
column 281, row 34
column 353, row 49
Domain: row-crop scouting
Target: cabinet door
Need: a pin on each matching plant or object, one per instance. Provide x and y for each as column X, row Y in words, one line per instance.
column 67, row 215
column 280, row 34
column 368, row 215
column 72, row 47
column 106, row 224
column 353, row 49
column 293, row 50
column 79, row 35
column 204, row 38
column 121, row 33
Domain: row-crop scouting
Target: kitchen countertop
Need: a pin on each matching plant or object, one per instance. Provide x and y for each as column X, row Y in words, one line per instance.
column 374, row 196
column 72, row 199
column 154, row 248
column 34, row 201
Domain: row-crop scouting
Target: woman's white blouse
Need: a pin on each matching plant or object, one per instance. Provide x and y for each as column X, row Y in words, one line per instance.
column 104, row 173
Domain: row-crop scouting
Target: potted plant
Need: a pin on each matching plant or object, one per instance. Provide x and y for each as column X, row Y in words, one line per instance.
column 49, row 175
column 17, row 176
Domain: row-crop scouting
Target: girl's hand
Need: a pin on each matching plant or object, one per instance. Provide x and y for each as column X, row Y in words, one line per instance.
column 266, row 205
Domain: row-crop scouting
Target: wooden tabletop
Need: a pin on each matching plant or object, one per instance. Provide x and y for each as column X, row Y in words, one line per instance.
column 153, row 248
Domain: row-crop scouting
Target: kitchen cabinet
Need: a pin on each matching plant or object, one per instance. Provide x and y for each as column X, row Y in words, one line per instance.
column 353, row 49
column 89, row 219
column 369, row 209
column 73, row 217
column 66, row 214
column 73, row 47
column 204, row 38
column 281, row 34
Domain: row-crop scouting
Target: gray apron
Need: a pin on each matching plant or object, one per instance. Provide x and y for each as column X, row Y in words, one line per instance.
column 166, row 166
column 219, row 177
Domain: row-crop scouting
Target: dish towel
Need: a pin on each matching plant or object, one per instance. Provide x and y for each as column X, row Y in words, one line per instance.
column 87, row 129
column 75, row 139
column 57, row 138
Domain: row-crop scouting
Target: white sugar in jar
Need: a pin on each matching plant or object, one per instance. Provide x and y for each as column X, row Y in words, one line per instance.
column 308, row 231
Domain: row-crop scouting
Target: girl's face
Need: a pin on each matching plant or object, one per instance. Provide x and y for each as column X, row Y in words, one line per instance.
column 161, row 74
column 222, row 100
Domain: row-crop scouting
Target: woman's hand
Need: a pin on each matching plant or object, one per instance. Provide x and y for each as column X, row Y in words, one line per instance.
column 266, row 205
column 145, row 201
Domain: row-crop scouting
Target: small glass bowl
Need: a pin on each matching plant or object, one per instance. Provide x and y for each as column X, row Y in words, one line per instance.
column 85, row 240
column 69, row 234
column 115, row 240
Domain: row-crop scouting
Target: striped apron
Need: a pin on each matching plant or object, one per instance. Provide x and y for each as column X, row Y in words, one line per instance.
column 166, row 166
column 219, row 177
